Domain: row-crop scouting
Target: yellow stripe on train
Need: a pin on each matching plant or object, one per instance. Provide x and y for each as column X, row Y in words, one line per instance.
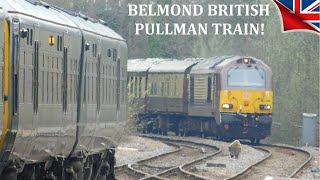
column 5, row 84
column 246, row 101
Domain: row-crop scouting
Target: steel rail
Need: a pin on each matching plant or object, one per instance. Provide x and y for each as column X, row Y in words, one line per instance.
column 240, row 174
column 180, row 168
column 244, row 171
column 129, row 166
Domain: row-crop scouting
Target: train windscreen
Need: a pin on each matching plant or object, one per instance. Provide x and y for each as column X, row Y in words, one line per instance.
column 240, row 77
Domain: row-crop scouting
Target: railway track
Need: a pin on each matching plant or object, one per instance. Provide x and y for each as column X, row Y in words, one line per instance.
column 278, row 161
column 127, row 172
column 281, row 161
column 217, row 172
column 187, row 153
column 168, row 163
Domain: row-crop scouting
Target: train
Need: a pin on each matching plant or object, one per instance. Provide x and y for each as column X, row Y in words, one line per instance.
column 63, row 88
column 227, row 97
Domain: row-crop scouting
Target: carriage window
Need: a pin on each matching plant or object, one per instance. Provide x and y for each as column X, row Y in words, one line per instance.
column 140, row 90
column 168, row 88
column 128, row 84
column 175, row 87
column 28, row 36
column 155, row 88
column 246, row 78
column 162, row 88
column 131, row 85
column 31, row 36
column 135, row 86
column 59, row 43
column 115, row 54
column 152, row 89
column 109, row 53
column 94, row 50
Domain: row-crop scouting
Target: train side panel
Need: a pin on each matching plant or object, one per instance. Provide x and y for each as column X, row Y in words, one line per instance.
column 201, row 96
column 43, row 122
column 166, row 92
column 53, row 96
column 105, row 121
column 138, row 91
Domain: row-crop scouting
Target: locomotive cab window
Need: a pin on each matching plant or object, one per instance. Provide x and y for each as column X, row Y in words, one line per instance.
column 246, row 78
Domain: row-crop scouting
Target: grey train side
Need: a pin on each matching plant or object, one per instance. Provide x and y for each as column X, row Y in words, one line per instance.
column 63, row 107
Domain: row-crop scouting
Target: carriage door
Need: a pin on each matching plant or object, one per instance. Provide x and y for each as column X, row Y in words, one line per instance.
column 11, row 81
column 15, row 52
column 65, row 79
column 118, row 83
column 99, row 83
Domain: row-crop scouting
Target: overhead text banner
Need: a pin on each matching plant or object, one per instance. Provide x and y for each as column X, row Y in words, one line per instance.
column 196, row 10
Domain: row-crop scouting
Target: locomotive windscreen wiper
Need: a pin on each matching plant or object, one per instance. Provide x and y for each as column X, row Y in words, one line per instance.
column 261, row 75
column 229, row 74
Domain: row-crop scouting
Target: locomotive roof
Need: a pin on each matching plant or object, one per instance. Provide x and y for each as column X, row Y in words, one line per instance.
column 228, row 60
column 206, row 65
column 45, row 12
column 174, row 65
column 142, row 65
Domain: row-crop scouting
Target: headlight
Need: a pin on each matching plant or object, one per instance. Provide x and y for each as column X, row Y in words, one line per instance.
column 246, row 61
column 227, row 106
column 265, row 107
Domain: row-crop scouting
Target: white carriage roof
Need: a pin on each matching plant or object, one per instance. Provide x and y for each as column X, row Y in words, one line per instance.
column 142, row 65
column 173, row 66
column 48, row 13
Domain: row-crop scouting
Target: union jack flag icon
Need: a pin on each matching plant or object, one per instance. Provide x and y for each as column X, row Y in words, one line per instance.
column 300, row 14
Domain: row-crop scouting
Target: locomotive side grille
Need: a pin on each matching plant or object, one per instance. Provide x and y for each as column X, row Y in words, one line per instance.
column 200, row 90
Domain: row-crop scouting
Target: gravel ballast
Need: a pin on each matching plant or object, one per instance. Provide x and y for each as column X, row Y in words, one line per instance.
column 222, row 166
column 137, row 148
